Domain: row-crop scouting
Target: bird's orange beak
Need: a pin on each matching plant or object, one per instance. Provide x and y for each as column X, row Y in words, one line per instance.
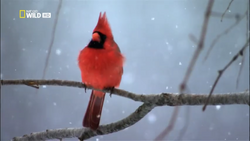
column 96, row 37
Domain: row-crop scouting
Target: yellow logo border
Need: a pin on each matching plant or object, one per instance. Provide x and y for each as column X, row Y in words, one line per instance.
column 20, row 13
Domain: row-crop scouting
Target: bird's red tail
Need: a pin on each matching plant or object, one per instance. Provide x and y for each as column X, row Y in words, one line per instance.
column 93, row 114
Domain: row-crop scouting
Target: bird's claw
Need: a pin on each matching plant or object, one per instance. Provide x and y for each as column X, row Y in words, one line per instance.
column 85, row 88
column 111, row 90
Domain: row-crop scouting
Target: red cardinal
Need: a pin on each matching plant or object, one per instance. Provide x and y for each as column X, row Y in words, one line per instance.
column 101, row 65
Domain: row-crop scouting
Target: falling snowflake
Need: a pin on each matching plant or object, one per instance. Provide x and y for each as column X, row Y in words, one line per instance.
column 151, row 118
column 54, row 103
column 58, row 52
column 180, row 63
column 217, row 107
column 152, row 18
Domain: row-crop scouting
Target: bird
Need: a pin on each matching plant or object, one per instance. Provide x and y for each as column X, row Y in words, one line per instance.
column 101, row 65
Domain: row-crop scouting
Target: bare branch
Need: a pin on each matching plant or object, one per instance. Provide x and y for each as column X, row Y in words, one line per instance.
column 170, row 99
column 226, row 10
column 242, row 60
column 228, row 16
column 199, row 48
column 184, row 129
column 241, row 67
column 182, row 87
column 240, row 53
column 52, row 38
column 223, row 33
column 170, row 126
column 86, row 133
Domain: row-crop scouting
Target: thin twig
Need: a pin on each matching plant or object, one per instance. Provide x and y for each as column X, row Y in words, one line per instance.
column 228, row 16
column 197, row 52
column 241, row 67
column 200, row 46
column 182, row 87
column 242, row 60
column 52, row 38
column 169, row 128
column 223, row 33
column 184, row 129
column 240, row 53
column 226, row 10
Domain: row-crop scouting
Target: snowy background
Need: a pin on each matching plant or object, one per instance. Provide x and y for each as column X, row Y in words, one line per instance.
column 153, row 35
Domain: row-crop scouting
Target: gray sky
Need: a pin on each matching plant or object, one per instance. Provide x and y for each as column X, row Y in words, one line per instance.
column 153, row 36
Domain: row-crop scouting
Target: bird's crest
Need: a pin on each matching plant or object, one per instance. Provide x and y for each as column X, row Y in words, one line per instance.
column 103, row 25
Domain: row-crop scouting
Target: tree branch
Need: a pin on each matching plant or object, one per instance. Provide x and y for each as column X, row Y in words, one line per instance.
column 216, row 39
column 199, row 47
column 150, row 101
column 226, row 10
column 240, row 53
column 52, row 38
column 169, row 99
column 86, row 133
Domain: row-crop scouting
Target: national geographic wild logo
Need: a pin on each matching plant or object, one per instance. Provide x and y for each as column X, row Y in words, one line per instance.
column 33, row 14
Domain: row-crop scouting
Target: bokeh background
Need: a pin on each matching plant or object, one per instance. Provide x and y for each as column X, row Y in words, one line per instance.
column 153, row 35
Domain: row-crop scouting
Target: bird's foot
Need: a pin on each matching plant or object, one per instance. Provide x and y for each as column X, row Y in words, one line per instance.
column 111, row 90
column 85, row 87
